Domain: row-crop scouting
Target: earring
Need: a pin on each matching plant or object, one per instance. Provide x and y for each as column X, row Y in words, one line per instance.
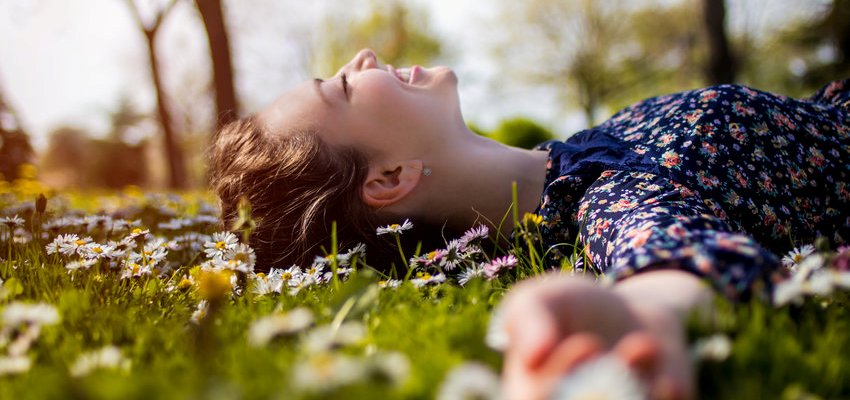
column 426, row 171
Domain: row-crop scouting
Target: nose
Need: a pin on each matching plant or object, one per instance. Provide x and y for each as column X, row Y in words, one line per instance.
column 365, row 59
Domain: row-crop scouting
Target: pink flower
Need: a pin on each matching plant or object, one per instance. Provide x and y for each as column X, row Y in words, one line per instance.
column 492, row 268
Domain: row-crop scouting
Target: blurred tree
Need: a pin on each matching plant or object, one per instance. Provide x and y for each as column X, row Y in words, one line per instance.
column 15, row 146
column 397, row 32
column 822, row 45
column 227, row 108
column 721, row 64
column 666, row 57
column 73, row 159
column 602, row 56
column 521, row 132
column 119, row 160
column 174, row 153
column 800, row 57
column 67, row 159
column 577, row 46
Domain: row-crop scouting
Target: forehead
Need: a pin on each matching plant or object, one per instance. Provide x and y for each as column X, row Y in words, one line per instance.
column 302, row 106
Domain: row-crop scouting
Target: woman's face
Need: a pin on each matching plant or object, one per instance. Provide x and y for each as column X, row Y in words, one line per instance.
column 374, row 108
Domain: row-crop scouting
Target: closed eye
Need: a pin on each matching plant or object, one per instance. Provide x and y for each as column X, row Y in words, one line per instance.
column 345, row 86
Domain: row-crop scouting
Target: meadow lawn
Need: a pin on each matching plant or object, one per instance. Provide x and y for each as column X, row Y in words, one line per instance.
column 140, row 295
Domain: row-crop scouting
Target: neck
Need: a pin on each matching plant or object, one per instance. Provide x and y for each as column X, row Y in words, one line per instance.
column 472, row 181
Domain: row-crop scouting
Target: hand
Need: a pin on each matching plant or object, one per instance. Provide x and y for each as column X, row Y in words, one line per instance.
column 556, row 323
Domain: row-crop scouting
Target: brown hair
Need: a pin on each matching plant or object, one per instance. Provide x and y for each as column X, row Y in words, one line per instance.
column 296, row 185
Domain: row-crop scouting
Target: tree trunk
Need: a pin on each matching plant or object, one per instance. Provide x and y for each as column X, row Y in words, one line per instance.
column 177, row 165
column 721, row 65
column 178, row 177
column 227, row 108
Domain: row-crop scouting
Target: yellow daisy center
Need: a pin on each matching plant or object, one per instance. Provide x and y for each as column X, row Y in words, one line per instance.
column 220, row 245
column 185, row 283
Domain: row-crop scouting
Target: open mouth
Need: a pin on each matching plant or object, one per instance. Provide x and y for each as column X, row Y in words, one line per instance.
column 406, row 75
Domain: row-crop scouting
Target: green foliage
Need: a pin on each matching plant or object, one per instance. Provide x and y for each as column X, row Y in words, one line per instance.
column 521, row 132
column 785, row 353
column 397, row 31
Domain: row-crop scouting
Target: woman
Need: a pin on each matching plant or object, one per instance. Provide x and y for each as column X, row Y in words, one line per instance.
column 704, row 184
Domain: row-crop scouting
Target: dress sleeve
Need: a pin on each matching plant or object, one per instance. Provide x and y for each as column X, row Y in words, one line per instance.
column 632, row 222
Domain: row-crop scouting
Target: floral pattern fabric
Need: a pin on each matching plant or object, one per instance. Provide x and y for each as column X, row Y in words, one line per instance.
column 715, row 181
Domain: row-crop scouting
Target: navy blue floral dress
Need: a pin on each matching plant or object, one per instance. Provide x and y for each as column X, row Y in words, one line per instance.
column 715, row 181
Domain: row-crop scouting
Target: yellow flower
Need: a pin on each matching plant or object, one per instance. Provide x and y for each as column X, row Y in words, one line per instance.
column 530, row 219
column 213, row 285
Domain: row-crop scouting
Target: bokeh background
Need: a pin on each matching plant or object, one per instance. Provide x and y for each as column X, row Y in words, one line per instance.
column 118, row 93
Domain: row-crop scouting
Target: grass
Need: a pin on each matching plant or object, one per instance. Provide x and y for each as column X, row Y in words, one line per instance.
column 365, row 341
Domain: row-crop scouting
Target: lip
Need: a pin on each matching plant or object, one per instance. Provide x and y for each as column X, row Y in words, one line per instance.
column 415, row 72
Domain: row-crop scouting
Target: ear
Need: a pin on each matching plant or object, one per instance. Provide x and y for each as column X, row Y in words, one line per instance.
column 388, row 183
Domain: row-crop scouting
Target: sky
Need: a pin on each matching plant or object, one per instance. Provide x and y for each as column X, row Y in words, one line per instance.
column 68, row 63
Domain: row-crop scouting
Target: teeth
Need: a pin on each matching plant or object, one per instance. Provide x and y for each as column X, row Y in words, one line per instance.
column 404, row 74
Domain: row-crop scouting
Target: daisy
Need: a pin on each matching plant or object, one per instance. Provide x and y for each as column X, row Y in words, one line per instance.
column 473, row 235
column 327, row 371
column 424, row 278
column 120, row 249
column 788, row 291
column 135, row 270
column 327, row 337
column 205, row 220
column 390, row 283
column 138, row 233
column 716, row 347
column 358, row 251
column 152, row 254
column 12, row 222
column 262, row 285
column 453, row 255
column 395, row 228
column 290, row 277
column 80, row 264
column 497, row 334
column 265, row 329
column 435, row 257
column 108, row 357
column 61, row 242
column 122, row 224
column 56, row 224
column 241, row 258
column 470, row 274
column 98, row 251
column 390, row 366
column 471, row 380
column 492, row 268
column 794, row 257
column 175, row 224
column 605, row 377
column 17, row 313
column 200, row 312
column 14, row 365
column 221, row 243
column 77, row 246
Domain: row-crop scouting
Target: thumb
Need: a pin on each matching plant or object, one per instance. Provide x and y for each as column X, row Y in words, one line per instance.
column 532, row 333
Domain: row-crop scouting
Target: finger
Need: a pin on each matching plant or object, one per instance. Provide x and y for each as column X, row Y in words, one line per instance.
column 531, row 328
column 641, row 352
column 666, row 387
column 571, row 352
